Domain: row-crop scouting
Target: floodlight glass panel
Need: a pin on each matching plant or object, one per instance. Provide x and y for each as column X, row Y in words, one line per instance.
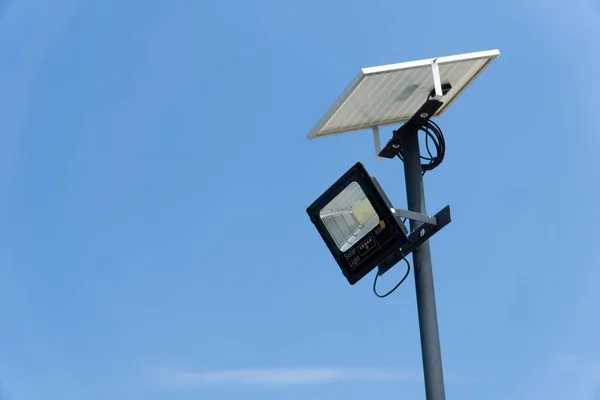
column 349, row 216
column 391, row 94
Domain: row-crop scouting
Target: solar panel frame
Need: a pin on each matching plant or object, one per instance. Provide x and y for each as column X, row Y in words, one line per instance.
column 391, row 94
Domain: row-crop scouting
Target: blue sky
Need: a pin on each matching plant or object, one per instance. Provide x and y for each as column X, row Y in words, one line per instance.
column 154, row 175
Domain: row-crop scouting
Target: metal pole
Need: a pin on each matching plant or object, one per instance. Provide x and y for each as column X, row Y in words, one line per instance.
column 428, row 324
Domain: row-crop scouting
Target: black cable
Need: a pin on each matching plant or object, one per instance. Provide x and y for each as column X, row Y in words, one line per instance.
column 433, row 134
column 381, row 296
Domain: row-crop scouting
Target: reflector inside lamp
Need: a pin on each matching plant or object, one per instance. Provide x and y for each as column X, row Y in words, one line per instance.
column 349, row 216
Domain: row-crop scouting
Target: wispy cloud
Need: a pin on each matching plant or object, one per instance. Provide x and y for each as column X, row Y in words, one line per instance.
column 585, row 373
column 283, row 376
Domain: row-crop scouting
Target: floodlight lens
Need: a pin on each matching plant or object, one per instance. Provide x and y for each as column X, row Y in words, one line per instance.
column 349, row 216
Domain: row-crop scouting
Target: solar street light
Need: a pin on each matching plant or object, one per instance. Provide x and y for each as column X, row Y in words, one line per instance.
column 353, row 214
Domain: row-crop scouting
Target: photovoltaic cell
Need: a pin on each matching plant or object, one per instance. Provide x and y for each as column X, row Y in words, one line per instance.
column 391, row 94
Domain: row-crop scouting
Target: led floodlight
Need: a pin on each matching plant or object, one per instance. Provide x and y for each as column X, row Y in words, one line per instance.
column 355, row 219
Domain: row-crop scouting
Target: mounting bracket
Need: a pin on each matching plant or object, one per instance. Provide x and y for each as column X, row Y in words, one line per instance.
column 417, row 121
column 377, row 142
column 414, row 216
column 429, row 227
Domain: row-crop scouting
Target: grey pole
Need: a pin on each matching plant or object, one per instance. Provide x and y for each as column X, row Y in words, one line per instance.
column 428, row 324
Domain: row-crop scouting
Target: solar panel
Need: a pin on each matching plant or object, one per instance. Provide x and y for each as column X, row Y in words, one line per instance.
column 391, row 94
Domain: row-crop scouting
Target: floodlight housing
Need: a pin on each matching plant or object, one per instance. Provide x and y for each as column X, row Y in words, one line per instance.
column 357, row 223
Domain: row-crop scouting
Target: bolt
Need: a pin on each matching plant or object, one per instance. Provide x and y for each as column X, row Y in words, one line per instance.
column 424, row 115
column 422, row 233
